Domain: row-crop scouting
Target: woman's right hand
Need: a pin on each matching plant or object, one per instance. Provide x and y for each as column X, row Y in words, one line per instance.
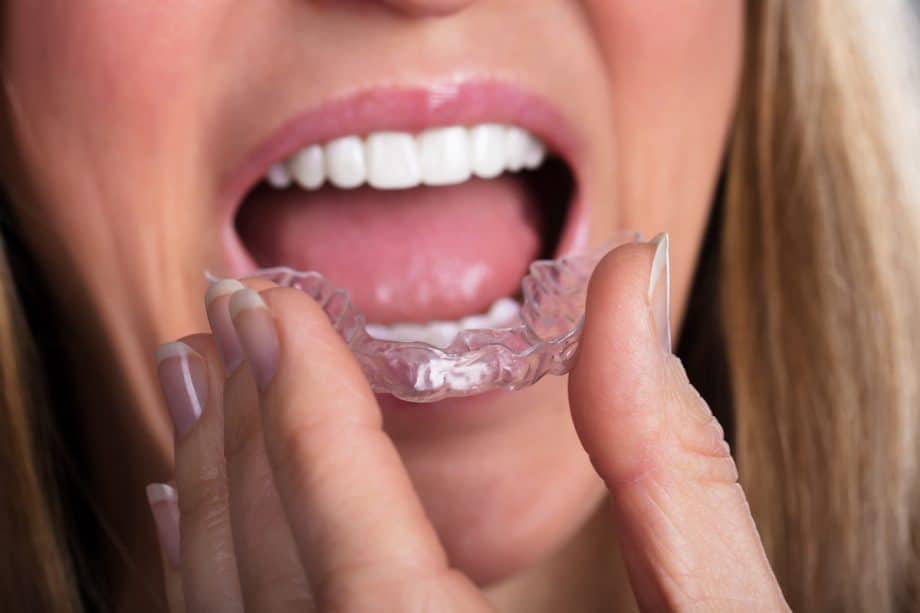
column 288, row 494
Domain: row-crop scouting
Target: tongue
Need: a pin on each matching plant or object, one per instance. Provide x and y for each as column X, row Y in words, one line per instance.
column 422, row 254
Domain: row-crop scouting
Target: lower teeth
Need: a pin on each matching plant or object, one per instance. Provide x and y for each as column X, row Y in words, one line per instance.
column 510, row 347
column 502, row 314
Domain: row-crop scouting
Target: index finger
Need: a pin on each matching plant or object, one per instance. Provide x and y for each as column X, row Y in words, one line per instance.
column 360, row 528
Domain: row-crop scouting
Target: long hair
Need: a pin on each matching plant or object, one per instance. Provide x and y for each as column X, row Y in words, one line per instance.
column 821, row 299
column 36, row 570
column 818, row 312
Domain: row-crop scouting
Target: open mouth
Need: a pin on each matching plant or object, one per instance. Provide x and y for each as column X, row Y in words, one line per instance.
column 422, row 220
column 430, row 232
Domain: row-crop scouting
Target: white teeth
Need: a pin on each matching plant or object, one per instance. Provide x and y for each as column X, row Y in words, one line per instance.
column 308, row 167
column 445, row 155
column 278, row 176
column 392, row 161
column 534, row 154
column 345, row 162
column 401, row 160
column 503, row 313
column 515, row 148
column 487, row 150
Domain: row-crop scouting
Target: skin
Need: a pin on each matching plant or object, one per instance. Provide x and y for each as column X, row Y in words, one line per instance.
column 124, row 118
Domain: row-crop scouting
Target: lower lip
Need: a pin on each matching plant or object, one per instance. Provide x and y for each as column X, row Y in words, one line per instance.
column 403, row 420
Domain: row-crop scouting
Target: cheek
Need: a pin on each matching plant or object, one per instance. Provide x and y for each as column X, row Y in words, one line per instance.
column 673, row 70
column 673, row 74
column 96, row 86
column 73, row 58
column 105, row 89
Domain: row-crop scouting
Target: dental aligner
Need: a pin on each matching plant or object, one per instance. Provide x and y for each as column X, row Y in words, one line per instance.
column 543, row 341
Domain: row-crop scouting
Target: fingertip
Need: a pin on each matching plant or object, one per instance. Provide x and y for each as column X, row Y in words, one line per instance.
column 258, row 283
column 299, row 316
column 294, row 304
column 222, row 287
column 160, row 492
column 617, row 348
column 202, row 344
column 164, row 507
column 632, row 403
column 311, row 348
column 617, row 387
column 617, row 305
column 243, row 300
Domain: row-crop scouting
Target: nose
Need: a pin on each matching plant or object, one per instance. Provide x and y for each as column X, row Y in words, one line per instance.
column 428, row 8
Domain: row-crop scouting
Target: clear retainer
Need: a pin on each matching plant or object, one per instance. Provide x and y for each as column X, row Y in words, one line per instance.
column 544, row 341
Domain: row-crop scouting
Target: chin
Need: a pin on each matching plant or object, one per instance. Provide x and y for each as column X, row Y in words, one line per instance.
column 507, row 484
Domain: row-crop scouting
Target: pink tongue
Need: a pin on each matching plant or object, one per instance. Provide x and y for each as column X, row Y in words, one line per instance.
column 410, row 255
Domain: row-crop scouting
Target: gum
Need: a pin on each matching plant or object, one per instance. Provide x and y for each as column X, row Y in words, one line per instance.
column 544, row 342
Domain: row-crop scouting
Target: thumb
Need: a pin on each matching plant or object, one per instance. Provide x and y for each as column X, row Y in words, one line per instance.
column 681, row 517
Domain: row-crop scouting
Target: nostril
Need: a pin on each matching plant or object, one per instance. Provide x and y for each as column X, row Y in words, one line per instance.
column 429, row 8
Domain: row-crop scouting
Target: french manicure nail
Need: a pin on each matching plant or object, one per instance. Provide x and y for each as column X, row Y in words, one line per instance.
column 659, row 290
column 164, row 505
column 184, row 379
column 256, row 331
column 215, row 300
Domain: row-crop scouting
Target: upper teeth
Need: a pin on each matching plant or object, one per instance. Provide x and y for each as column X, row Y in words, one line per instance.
column 400, row 160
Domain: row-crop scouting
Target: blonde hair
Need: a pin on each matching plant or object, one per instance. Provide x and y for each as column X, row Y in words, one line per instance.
column 821, row 312
column 821, row 295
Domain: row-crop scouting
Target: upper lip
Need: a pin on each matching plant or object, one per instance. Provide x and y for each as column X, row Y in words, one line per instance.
column 410, row 109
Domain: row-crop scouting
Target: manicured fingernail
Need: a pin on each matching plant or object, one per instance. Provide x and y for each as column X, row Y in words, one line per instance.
column 258, row 336
column 659, row 290
column 184, row 379
column 164, row 505
column 216, row 300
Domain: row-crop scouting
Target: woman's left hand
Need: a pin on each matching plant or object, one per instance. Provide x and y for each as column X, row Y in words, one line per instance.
column 293, row 498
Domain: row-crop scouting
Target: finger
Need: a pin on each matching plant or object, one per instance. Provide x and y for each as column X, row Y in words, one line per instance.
column 271, row 575
column 165, row 510
column 193, row 393
column 687, row 534
column 216, row 299
column 360, row 528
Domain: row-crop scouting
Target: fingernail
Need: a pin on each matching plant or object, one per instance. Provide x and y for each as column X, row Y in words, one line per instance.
column 184, row 379
column 215, row 300
column 659, row 290
column 255, row 328
column 164, row 505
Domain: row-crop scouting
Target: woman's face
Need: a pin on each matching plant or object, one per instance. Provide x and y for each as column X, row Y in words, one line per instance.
column 140, row 131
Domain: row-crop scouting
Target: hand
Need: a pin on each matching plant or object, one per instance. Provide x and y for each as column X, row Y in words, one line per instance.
column 682, row 521
column 275, row 514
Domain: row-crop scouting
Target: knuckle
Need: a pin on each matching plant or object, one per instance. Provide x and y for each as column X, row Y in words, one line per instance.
column 705, row 438
column 719, row 470
column 706, row 453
